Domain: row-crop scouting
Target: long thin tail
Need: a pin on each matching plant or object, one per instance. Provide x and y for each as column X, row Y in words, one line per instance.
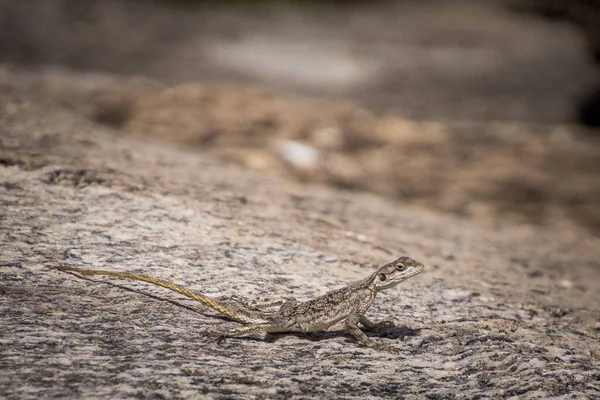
column 235, row 313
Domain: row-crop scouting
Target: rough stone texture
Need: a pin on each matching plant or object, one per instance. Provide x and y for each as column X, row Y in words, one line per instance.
column 435, row 59
column 491, row 171
column 500, row 312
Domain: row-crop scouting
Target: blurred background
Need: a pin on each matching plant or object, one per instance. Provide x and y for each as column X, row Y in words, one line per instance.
column 485, row 109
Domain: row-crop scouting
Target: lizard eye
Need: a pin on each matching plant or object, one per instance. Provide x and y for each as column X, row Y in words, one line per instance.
column 382, row 277
column 400, row 267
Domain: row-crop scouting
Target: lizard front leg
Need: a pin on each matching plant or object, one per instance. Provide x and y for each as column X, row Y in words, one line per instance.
column 365, row 341
column 351, row 324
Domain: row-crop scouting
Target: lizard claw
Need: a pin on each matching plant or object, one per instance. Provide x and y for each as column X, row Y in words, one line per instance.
column 220, row 339
column 380, row 326
column 214, row 336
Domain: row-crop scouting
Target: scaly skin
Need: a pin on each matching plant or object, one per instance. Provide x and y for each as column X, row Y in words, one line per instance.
column 244, row 316
column 348, row 304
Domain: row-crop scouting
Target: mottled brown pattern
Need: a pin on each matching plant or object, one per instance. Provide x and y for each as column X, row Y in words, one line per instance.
column 348, row 303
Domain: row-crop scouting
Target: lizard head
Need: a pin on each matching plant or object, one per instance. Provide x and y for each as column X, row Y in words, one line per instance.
column 395, row 272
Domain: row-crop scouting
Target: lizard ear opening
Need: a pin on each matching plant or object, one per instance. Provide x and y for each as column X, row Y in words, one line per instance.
column 382, row 277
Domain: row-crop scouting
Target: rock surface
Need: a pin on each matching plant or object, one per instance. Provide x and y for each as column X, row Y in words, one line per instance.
column 430, row 60
column 511, row 172
column 500, row 312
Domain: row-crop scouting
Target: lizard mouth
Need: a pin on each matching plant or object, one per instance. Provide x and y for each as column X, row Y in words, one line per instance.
column 416, row 270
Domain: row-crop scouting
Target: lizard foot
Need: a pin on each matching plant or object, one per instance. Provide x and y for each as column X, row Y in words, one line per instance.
column 381, row 325
column 214, row 336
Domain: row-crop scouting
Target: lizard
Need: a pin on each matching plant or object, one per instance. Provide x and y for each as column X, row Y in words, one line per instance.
column 348, row 304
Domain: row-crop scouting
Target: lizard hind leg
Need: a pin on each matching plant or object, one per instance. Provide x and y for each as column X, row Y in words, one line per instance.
column 244, row 330
column 258, row 304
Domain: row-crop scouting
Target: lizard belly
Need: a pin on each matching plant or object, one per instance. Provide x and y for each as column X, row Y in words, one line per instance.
column 316, row 324
column 320, row 313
